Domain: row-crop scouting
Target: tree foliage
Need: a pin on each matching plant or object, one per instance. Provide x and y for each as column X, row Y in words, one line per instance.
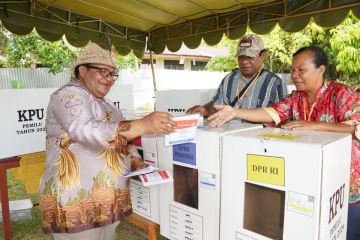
column 27, row 51
column 280, row 45
column 129, row 61
column 17, row 85
column 227, row 63
column 345, row 42
column 3, row 42
column 342, row 45
column 223, row 64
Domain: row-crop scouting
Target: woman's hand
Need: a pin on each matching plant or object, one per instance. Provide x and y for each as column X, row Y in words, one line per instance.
column 224, row 114
column 320, row 126
column 158, row 122
column 303, row 125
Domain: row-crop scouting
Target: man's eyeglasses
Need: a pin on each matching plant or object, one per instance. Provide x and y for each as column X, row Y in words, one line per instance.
column 104, row 72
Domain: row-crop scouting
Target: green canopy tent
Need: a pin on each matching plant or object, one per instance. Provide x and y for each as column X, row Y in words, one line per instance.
column 156, row 24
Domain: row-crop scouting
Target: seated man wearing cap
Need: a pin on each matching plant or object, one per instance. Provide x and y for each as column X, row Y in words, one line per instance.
column 83, row 191
column 250, row 85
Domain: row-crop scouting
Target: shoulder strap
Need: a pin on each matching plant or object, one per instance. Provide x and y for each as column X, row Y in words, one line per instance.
column 271, row 75
column 236, row 99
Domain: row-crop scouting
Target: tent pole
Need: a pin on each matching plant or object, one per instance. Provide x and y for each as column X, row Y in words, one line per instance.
column 153, row 71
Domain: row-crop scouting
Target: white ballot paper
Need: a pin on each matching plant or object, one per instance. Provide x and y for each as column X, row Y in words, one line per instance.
column 184, row 131
column 157, row 177
column 148, row 169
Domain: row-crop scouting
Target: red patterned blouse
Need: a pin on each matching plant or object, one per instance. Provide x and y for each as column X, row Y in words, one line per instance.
column 334, row 103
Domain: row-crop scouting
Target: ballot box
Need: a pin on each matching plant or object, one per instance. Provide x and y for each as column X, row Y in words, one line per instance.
column 190, row 206
column 122, row 96
column 177, row 102
column 145, row 200
column 285, row 184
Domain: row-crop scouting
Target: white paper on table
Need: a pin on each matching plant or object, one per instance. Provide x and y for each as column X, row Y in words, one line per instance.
column 184, row 131
column 157, row 177
column 148, row 169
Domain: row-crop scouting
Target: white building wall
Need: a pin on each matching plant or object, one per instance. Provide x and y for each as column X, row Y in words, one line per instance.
column 160, row 63
column 187, row 64
column 141, row 81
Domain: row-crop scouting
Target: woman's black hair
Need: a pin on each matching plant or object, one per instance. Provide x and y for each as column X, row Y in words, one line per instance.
column 320, row 57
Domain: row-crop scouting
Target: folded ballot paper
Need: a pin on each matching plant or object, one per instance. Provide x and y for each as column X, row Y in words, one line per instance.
column 184, row 131
column 151, row 176
column 155, row 178
column 148, row 169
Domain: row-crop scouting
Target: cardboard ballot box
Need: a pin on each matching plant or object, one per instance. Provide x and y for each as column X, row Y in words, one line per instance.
column 145, row 200
column 177, row 102
column 190, row 206
column 284, row 184
column 122, row 96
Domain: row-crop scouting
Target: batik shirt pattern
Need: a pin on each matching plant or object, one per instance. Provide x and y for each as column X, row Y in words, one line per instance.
column 86, row 156
column 334, row 103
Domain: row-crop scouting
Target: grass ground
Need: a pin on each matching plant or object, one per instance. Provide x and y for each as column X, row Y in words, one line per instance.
column 31, row 229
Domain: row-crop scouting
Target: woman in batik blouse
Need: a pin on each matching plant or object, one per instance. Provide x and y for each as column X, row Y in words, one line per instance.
column 317, row 105
column 83, row 192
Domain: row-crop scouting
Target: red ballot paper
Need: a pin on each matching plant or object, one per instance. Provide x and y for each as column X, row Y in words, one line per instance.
column 157, row 177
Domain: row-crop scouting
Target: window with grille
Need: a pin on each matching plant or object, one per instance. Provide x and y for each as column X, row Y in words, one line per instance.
column 173, row 64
